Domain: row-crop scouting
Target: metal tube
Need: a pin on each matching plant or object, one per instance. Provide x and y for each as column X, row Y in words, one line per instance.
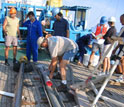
column 43, row 73
column 105, row 83
column 106, row 98
column 19, row 87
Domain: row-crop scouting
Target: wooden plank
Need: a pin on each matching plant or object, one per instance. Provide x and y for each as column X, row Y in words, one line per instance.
column 82, row 99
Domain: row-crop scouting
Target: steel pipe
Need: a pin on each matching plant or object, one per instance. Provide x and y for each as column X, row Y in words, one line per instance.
column 44, row 74
column 19, row 87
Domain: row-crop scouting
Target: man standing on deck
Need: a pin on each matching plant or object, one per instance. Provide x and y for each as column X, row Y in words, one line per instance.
column 11, row 28
column 98, row 44
column 59, row 47
column 61, row 25
column 121, row 65
column 34, row 32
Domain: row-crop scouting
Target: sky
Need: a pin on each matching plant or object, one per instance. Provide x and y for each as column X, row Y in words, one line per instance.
column 98, row 9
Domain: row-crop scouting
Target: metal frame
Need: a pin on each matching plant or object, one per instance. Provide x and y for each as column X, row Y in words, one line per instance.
column 90, row 82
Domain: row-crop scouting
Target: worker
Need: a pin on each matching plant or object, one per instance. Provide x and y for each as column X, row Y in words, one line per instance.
column 61, row 25
column 34, row 31
column 11, row 29
column 59, row 47
column 98, row 44
column 108, row 41
column 43, row 23
column 121, row 65
column 83, row 43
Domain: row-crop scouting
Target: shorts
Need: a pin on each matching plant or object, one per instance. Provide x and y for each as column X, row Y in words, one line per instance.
column 106, row 47
column 96, row 47
column 11, row 40
column 69, row 55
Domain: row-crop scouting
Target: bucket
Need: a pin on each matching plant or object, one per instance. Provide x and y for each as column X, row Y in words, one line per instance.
column 87, row 57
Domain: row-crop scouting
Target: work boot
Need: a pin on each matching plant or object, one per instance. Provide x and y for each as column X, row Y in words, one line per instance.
column 57, row 76
column 62, row 88
column 6, row 62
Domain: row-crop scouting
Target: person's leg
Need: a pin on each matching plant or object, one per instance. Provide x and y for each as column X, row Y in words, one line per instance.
column 94, row 49
column 6, row 55
column 65, row 60
column 108, row 64
column 104, row 64
column 100, row 47
column 14, row 53
column 122, row 62
column 28, row 50
column 82, row 52
column 14, row 43
column 8, row 41
column 63, row 71
column 35, row 51
column 121, row 69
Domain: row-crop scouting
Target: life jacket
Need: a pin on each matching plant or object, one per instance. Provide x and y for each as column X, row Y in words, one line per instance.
column 101, row 29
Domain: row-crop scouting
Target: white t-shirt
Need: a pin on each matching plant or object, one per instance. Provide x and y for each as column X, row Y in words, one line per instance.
column 59, row 45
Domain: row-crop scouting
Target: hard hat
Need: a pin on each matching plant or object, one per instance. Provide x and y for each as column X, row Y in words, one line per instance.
column 55, row 11
column 40, row 41
column 103, row 20
column 12, row 10
column 112, row 19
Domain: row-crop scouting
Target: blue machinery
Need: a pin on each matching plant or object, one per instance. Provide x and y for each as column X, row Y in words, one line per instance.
column 45, row 12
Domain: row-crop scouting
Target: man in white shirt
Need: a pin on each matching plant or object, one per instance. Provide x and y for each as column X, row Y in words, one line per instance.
column 59, row 47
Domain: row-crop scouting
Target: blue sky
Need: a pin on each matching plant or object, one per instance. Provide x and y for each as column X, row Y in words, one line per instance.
column 100, row 8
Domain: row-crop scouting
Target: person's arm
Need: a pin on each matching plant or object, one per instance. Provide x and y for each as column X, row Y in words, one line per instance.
column 67, row 34
column 52, row 66
column 25, row 22
column 18, row 31
column 39, row 29
column 4, row 26
column 67, row 29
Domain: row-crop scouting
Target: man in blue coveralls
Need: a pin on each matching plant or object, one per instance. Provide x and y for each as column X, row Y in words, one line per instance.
column 84, row 42
column 34, row 32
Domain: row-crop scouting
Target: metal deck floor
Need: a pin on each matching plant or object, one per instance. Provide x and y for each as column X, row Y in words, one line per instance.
column 32, row 90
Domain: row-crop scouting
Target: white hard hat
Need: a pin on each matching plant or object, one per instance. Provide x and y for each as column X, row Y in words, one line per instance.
column 40, row 41
column 112, row 19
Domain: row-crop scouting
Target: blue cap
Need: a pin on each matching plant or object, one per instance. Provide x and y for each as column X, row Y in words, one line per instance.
column 55, row 11
column 103, row 20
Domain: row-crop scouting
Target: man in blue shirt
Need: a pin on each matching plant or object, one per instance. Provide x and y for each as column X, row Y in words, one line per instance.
column 60, row 26
column 83, row 43
column 34, row 32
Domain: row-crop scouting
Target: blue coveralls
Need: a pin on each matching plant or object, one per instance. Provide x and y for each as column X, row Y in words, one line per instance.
column 83, row 43
column 34, row 32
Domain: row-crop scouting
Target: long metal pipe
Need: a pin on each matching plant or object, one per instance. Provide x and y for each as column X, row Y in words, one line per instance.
column 19, row 87
column 43, row 73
